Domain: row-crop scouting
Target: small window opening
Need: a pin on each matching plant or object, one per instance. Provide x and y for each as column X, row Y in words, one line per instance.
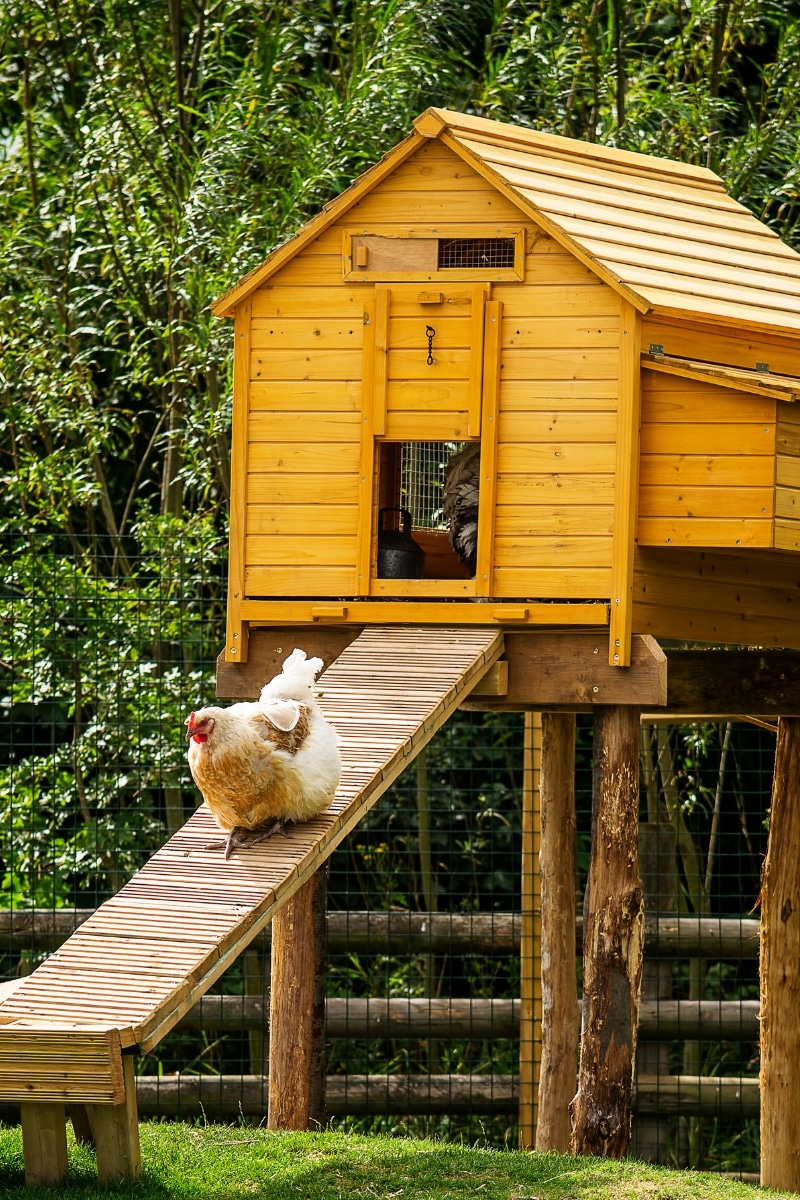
column 437, row 483
column 476, row 253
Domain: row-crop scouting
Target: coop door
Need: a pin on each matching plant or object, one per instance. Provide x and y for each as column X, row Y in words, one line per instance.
column 427, row 350
column 430, row 385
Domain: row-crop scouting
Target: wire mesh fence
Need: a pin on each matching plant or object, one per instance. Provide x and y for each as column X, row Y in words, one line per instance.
column 100, row 662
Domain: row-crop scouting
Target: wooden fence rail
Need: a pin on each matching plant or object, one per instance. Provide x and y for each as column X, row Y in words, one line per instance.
column 723, row 1020
column 228, row 1096
column 43, row 930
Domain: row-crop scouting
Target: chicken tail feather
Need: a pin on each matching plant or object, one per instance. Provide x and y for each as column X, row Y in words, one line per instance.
column 296, row 681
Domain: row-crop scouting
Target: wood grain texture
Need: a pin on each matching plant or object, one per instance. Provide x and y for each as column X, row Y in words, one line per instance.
column 236, row 629
column 560, row 1022
column 779, row 1078
column 530, row 939
column 297, row 1010
column 626, row 487
column 613, row 942
column 44, row 1143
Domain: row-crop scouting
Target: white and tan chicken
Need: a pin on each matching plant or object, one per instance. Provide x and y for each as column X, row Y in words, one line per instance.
column 264, row 765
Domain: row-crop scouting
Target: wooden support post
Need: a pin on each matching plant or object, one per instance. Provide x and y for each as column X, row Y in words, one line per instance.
column 613, row 941
column 81, row 1125
column 44, row 1143
column 297, row 1010
column 116, row 1132
column 779, row 972
column 530, row 952
column 560, row 1031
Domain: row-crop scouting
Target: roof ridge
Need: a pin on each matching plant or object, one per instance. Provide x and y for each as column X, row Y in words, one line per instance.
column 435, row 120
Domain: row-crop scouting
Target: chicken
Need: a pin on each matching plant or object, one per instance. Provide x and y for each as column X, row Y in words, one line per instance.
column 262, row 766
column 460, row 503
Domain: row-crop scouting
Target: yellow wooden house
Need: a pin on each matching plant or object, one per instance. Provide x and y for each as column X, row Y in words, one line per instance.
column 619, row 334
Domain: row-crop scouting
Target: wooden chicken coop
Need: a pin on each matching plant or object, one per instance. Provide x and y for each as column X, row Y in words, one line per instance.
column 619, row 335
column 612, row 344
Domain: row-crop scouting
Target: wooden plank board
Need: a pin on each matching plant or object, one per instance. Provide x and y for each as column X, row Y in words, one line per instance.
column 564, row 457
column 719, row 470
column 542, row 520
column 297, row 489
column 547, row 296
column 703, row 531
column 312, row 458
column 307, row 396
column 574, row 551
column 308, row 364
column 705, row 501
column 560, row 364
column 300, row 581
column 550, row 491
column 699, row 404
column 278, row 427
column 532, row 168
column 548, row 332
column 472, row 207
column 303, row 519
column 286, row 301
column 697, row 438
column 387, row 694
column 303, row 551
column 559, row 583
column 752, row 251
column 302, row 333
column 551, row 426
column 555, row 585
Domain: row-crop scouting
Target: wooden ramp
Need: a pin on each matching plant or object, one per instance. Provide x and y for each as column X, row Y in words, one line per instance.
column 129, row 973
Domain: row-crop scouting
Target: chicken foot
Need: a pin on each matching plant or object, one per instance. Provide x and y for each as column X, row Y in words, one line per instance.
column 240, row 837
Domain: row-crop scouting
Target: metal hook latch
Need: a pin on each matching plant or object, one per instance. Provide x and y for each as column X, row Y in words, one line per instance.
column 430, row 334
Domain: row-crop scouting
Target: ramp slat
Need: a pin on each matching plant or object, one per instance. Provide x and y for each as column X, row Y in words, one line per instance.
column 147, row 955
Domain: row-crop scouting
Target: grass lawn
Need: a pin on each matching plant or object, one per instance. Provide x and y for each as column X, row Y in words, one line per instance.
column 221, row 1162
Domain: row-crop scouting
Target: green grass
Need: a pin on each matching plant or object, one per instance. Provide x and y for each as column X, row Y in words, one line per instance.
column 226, row 1162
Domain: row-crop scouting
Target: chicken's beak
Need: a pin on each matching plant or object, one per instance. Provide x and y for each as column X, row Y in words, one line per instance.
column 189, row 723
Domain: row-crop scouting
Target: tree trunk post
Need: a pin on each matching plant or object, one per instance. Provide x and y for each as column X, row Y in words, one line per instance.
column 560, row 1031
column 780, row 972
column 613, row 940
column 297, row 1010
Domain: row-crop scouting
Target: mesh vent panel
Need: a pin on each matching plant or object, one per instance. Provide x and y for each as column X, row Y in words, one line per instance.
column 476, row 252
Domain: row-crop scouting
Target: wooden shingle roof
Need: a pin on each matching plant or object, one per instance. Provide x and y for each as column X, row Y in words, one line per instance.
column 663, row 233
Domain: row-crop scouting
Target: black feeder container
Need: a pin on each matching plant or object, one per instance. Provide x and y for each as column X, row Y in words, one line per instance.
column 399, row 556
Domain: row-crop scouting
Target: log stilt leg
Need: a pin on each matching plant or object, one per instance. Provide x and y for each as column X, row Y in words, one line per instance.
column 44, row 1143
column 297, row 1010
column 780, row 971
column 559, row 981
column 613, row 938
column 116, row 1132
column 81, row 1125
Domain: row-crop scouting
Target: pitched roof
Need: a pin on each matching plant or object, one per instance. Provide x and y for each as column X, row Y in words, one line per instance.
column 663, row 233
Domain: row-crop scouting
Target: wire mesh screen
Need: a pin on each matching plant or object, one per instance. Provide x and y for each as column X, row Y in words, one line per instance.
column 423, row 466
column 101, row 657
column 476, row 252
